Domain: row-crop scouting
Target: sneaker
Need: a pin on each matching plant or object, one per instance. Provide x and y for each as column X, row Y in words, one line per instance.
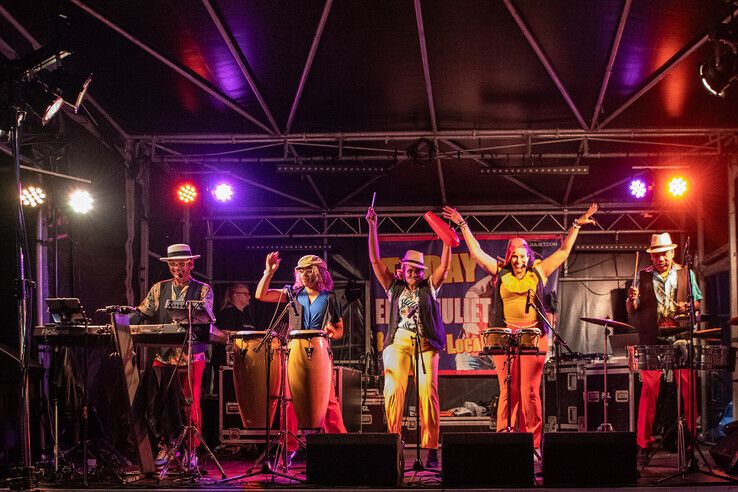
column 161, row 456
column 431, row 459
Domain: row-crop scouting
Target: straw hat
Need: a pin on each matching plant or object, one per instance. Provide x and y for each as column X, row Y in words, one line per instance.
column 179, row 252
column 661, row 243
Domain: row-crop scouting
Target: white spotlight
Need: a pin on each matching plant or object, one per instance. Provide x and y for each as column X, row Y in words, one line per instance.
column 80, row 201
column 32, row 196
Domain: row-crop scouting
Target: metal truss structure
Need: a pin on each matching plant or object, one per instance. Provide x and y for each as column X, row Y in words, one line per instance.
column 613, row 220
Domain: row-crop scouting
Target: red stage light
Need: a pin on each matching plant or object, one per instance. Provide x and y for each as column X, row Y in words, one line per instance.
column 187, row 193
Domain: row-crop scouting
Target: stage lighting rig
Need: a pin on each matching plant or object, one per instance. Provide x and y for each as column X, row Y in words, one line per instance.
column 33, row 196
column 721, row 70
column 80, row 201
column 38, row 84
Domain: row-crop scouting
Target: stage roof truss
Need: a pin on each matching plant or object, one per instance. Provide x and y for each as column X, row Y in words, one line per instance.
column 350, row 224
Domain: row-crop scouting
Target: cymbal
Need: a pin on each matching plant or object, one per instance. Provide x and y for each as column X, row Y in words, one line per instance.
column 709, row 332
column 608, row 322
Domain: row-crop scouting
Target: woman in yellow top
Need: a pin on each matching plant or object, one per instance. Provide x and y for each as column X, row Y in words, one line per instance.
column 514, row 282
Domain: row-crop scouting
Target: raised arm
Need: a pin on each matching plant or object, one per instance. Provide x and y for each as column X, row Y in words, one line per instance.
column 441, row 272
column 484, row 260
column 263, row 292
column 381, row 271
column 550, row 264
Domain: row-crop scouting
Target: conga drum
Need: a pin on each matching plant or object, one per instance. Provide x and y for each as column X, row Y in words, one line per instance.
column 250, row 378
column 309, row 367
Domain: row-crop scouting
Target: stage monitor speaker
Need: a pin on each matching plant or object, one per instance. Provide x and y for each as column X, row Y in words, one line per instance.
column 589, row 459
column 487, row 459
column 725, row 453
column 354, row 459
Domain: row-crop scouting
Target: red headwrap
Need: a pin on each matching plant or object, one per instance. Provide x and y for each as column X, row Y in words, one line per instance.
column 515, row 243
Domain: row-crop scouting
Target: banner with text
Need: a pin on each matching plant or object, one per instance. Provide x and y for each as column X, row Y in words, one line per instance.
column 464, row 297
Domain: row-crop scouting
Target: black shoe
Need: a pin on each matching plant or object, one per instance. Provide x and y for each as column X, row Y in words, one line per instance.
column 644, row 457
column 431, row 459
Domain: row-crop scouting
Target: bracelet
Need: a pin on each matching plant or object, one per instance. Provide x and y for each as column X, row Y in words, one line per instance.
column 576, row 225
column 462, row 224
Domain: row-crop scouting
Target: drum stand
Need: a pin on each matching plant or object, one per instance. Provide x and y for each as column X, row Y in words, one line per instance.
column 266, row 467
column 190, row 431
column 605, row 426
column 687, row 461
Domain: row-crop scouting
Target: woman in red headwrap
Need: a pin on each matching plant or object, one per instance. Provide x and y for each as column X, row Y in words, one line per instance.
column 513, row 280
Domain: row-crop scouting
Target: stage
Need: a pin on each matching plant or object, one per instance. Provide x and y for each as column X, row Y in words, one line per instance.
column 236, row 462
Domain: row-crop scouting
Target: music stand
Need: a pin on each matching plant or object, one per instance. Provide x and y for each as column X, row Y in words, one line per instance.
column 66, row 311
column 195, row 311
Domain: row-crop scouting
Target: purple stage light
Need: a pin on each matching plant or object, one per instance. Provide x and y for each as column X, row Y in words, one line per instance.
column 638, row 188
column 223, row 192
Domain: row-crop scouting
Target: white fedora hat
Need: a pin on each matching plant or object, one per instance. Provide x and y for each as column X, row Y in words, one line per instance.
column 661, row 243
column 179, row 252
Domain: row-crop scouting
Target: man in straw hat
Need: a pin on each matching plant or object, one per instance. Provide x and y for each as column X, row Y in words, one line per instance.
column 658, row 299
column 414, row 312
column 181, row 287
column 318, row 308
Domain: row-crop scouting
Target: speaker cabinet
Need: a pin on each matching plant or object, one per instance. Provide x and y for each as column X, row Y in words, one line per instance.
column 487, row 459
column 354, row 459
column 586, row 459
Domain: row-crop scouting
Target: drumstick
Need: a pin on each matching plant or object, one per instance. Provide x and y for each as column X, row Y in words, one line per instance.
column 374, row 195
column 635, row 270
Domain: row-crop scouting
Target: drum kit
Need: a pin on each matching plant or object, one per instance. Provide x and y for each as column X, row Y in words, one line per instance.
column 296, row 367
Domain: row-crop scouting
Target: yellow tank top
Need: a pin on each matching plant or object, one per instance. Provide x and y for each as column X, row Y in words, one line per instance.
column 514, row 293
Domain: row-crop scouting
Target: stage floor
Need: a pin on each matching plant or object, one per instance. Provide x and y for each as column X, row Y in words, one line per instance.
column 662, row 465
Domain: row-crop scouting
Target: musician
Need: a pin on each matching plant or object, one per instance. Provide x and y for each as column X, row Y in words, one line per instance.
column 318, row 309
column 233, row 315
column 181, row 287
column 412, row 293
column 659, row 298
column 513, row 282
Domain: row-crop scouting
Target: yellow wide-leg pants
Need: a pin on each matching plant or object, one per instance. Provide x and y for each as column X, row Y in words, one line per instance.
column 399, row 358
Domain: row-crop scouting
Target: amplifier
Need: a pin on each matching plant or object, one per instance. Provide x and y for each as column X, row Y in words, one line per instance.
column 230, row 427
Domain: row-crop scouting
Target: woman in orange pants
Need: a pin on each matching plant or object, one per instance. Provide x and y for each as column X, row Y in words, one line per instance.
column 515, row 280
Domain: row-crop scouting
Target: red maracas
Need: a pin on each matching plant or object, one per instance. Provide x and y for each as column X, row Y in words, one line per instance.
column 447, row 235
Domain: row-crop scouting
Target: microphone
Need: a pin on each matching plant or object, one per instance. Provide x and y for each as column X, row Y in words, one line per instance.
column 527, row 302
column 116, row 309
column 291, row 298
column 412, row 312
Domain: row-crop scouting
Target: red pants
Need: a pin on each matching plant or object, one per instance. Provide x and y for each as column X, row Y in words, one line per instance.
column 333, row 422
column 525, row 392
column 649, row 395
column 198, row 368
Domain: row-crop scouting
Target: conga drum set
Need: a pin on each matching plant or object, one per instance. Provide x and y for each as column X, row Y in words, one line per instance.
column 300, row 372
column 511, row 344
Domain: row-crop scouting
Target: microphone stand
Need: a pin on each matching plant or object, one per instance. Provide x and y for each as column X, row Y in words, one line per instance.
column 418, row 360
column 558, row 341
column 687, row 460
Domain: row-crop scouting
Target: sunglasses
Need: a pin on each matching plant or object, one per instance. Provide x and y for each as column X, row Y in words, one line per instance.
column 179, row 263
